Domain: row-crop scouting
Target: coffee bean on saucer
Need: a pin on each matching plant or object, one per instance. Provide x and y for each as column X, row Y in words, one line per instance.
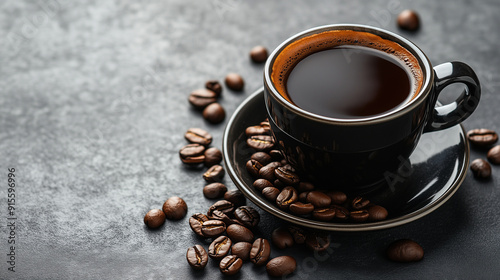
column 282, row 238
column 377, row 213
column 286, row 197
column 341, row 213
column 214, row 113
column 230, row 265
column 239, row 233
column 214, row 174
column 214, row 190
column 253, row 166
column 494, row 155
column 219, row 248
column 287, row 176
column 281, row 266
column 271, row 193
column 260, row 142
column 234, row 81
column 481, row 169
column 201, row 98
column 247, row 215
column 408, row 20
column 258, row 54
column 405, row 250
column 318, row 199
column 337, row 197
column 267, row 172
column 260, row 252
column 214, row 86
column 213, row 156
column 261, row 184
column 299, row 208
column 359, row 216
column 224, row 206
column 482, row 137
column 235, row 197
column 196, row 221
column 242, row 250
column 317, row 241
column 324, row 214
column 276, row 155
column 197, row 257
column 175, row 208
column 198, row 136
column 213, row 228
column 257, row 130
column 154, row 218
column 305, row 187
column 262, row 158
column 359, row 203
column 192, row 154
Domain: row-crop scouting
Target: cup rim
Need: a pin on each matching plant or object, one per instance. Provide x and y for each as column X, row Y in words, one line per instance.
column 424, row 63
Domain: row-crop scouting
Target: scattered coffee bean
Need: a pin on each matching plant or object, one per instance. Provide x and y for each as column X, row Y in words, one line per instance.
column 260, row 142
column 198, row 136
column 359, row 203
column 247, row 215
column 286, row 197
column 405, row 250
column 235, row 197
column 317, row 241
column 408, row 20
column 214, row 86
column 213, row 156
column 482, row 137
column 258, row 130
column 214, row 113
column 258, row 54
column 239, row 233
column 299, row 208
column 213, row 228
column 287, row 176
column 253, row 167
column 218, row 215
column 262, row 158
column 214, row 174
column 242, row 250
column 175, row 208
column 154, row 218
column 201, row 98
column 234, row 81
column 214, row 190
column 494, row 155
column 197, row 257
column 282, row 238
column 192, row 154
column 260, row 252
column 224, row 206
column 359, row 216
column 337, row 197
column 230, row 265
column 377, row 213
column 271, row 193
column 219, row 248
column 196, row 221
column 281, row 266
column 261, row 184
column 318, row 199
column 481, row 169
column 298, row 234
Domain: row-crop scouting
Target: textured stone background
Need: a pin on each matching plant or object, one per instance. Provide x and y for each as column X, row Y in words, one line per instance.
column 93, row 107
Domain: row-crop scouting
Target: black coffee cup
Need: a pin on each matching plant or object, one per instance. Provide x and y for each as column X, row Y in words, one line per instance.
column 358, row 153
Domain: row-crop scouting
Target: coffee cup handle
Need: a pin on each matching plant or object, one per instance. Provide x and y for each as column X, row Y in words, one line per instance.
column 454, row 113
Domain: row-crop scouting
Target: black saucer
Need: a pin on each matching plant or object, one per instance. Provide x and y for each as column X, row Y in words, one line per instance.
column 436, row 170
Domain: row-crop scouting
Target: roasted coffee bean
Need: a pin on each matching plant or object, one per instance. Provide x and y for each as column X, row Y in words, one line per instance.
column 303, row 197
column 242, row 250
column 219, row 248
column 359, row 203
column 224, row 206
column 261, row 157
column 201, row 98
column 236, row 222
column 213, row 156
column 286, row 176
column 278, row 184
column 359, row 215
column 175, row 208
column 239, row 233
column 377, row 213
column 267, row 172
column 214, row 113
column 235, row 197
column 154, row 218
column 197, row 257
column 286, row 197
column 258, row 54
column 214, row 86
column 198, row 136
column 257, row 130
column 276, row 155
column 192, row 154
column 230, row 265
column 298, row 234
column 341, row 213
column 260, row 142
column 282, row 238
column 289, row 167
column 482, row 137
column 408, row 20
column 247, row 215
column 481, row 169
column 317, row 241
column 234, row 81
column 405, row 250
column 324, row 214
column 214, row 174
column 196, row 221
column 305, row 187
column 494, row 155
column 213, row 228
column 253, row 167
column 214, row 190
column 271, row 193
column 261, row 184
column 318, row 199
column 218, row 215
column 260, row 252
column 281, row 266
column 299, row 208
column 337, row 197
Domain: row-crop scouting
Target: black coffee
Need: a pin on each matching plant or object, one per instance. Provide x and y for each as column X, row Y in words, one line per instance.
column 349, row 82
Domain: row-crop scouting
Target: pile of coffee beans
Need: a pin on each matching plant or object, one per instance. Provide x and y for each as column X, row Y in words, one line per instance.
column 174, row 208
column 198, row 151
column 278, row 182
column 483, row 138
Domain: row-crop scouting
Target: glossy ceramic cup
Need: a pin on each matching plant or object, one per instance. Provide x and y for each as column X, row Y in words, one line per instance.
column 357, row 154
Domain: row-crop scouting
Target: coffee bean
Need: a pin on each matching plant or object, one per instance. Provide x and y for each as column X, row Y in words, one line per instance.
column 377, row 213
column 247, row 215
column 261, row 184
column 408, row 20
column 359, row 215
column 230, row 265
column 359, row 203
column 324, row 214
column 271, row 193
column 482, row 137
column 481, row 169
column 192, row 154
column 258, row 54
column 260, row 142
column 318, row 199
column 286, row 176
column 305, row 187
column 242, row 250
column 214, row 113
column 299, row 208
column 337, row 197
column 494, row 155
column 234, row 81
column 281, row 266
column 235, row 197
column 201, row 98
column 405, row 250
column 261, row 157
column 257, row 130
column 213, row 228
column 224, row 206
column 239, row 233
column 197, row 257
column 286, row 197
column 282, row 238
column 303, row 197
column 213, row 156
column 196, row 221
column 154, row 218
column 214, row 190
column 260, row 252
column 175, row 208
column 267, row 172
column 276, row 155
column 198, row 136
column 219, row 215
column 299, row 236
column 278, row 184
column 214, row 174
column 214, row 86
column 317, row 241
column 219, row 248
column 253, row 167
column 341, row 213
